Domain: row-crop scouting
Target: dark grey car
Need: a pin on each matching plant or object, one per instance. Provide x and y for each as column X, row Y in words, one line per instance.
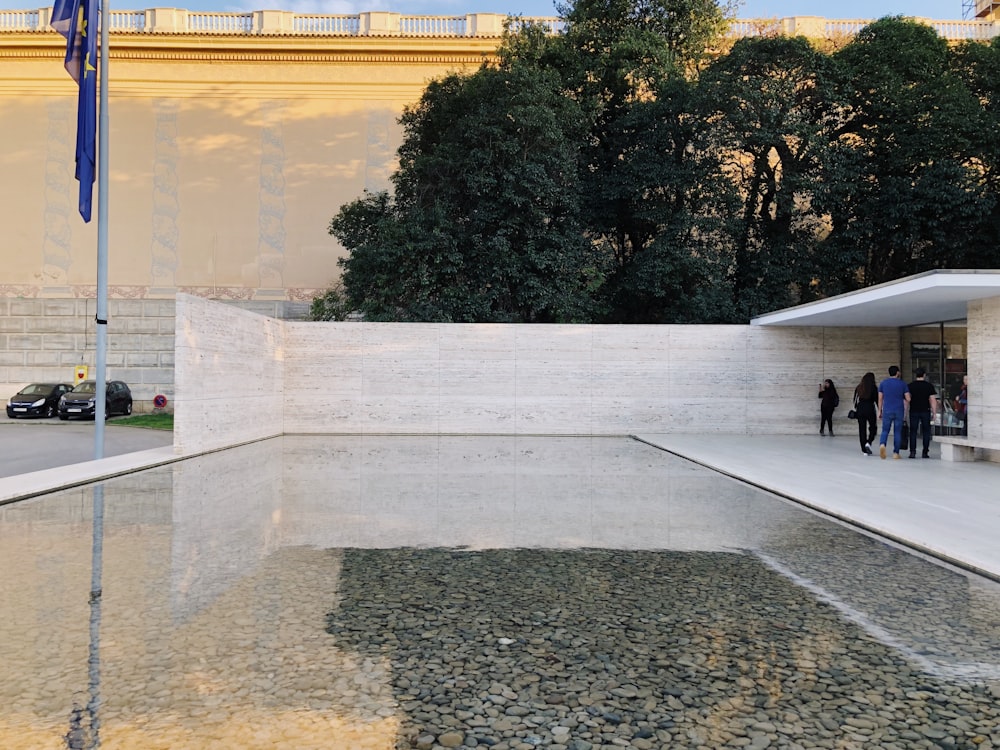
column 82, row 400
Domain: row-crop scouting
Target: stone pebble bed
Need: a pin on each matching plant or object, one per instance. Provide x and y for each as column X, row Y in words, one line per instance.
column 586, row 649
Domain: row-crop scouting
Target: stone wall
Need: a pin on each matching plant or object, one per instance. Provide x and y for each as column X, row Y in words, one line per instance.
column 569, row 380
column 229, row 375
column 415, row 378
column 44, row 340
column 984, row 363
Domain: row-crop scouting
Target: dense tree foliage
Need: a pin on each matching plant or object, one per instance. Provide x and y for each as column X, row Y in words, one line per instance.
column 615, row 173
column 484, row 221
column 904, row 189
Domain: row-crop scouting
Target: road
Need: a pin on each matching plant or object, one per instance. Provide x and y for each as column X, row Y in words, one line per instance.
column 34, row 444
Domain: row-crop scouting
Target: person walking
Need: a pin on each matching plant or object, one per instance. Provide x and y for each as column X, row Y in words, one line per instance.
column 831, row 400
column 923, row 407
column 866, row 411
column 893, row 396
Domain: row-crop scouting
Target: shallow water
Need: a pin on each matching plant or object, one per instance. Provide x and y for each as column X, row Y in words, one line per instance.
column 385, row 592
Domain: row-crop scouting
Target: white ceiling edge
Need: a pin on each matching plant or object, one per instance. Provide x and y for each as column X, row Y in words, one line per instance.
column 928, row 298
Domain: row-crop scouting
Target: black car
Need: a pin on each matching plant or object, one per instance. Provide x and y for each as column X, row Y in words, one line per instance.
column 37, row 400
column 81, row 401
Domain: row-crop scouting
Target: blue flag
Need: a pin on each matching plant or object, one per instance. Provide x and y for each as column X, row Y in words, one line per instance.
column 77, row 21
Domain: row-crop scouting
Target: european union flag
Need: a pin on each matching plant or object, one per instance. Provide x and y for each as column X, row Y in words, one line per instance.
column 77, row 21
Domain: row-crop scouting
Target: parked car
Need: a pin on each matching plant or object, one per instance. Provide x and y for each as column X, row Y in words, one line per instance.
column 81, row 401
column 37, row 400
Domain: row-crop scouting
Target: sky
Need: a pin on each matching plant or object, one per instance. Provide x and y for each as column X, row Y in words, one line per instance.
column 845, row 9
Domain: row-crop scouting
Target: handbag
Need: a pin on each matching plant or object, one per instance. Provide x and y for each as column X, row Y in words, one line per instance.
column 852, row 414
column 905, row 433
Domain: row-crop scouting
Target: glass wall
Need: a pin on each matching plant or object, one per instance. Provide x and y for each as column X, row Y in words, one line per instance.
column 941, row 350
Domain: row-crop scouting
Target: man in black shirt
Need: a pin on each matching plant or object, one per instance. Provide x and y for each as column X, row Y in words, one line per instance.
column 923, row 406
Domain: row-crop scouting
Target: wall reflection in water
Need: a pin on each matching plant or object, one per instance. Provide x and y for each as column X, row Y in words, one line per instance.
column 219, row 573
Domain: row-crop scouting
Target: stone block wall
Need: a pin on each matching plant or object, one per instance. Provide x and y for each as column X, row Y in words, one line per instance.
column 45, row 339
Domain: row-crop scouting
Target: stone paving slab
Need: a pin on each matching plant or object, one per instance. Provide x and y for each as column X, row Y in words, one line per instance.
column 948, row 510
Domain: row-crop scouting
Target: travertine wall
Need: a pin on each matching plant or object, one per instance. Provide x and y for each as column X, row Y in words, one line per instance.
column 552, row 379
column 505, row 379
column 229, row 375
column 984, row 363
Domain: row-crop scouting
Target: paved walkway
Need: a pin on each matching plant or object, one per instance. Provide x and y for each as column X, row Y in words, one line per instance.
column 948, row 510
column 41, row 455
column 28, row 445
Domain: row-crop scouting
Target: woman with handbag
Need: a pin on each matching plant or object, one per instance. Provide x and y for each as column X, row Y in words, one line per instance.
column 866, row 411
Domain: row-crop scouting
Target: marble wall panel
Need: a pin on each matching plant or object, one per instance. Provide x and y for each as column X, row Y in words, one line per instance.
column 485, row 341
column 547, row 416
column 549, row 343
column 400, row 341
column 983, row 363
column 405, row 413
column 628, row 416
column 392, row 378
column 472, row 415
column 229, row 375
column 314, row 412
column 707, row 378
column 486, row 379
column 796, row 360
column 848, row 353
column 628, row 343
column 418, row 378
column 569, row 379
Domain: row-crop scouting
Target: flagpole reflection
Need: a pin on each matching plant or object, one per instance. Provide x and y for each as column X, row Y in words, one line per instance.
column 96, row 596
column 75, row 20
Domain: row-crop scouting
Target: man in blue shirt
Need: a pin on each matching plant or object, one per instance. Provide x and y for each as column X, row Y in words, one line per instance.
column 893, row 395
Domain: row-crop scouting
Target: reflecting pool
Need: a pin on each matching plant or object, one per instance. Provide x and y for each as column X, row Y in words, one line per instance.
column 427, row 592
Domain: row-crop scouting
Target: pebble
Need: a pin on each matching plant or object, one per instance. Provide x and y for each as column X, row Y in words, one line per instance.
column 644, row 650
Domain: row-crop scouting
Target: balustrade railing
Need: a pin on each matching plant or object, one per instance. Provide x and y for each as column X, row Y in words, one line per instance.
column 326, row 25
column 262, row 23
column 432, row 26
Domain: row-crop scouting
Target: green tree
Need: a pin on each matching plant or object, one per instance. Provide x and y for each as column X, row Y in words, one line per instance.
column 628, row 64
column 979, row 67
column 902, row 191
column 615, row 56
column 768, row 112
column 484, row 221
column 669, row 268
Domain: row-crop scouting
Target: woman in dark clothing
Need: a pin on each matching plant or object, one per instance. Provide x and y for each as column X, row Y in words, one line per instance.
column 827, row 392
column 866, row 409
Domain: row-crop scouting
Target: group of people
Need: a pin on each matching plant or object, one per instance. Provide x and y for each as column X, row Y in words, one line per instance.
column 891, row 400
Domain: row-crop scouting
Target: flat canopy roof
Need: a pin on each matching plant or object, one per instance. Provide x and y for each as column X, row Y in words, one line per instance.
column 931, row 297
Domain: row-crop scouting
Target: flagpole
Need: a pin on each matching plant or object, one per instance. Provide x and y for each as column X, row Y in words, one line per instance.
column 100, row 405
